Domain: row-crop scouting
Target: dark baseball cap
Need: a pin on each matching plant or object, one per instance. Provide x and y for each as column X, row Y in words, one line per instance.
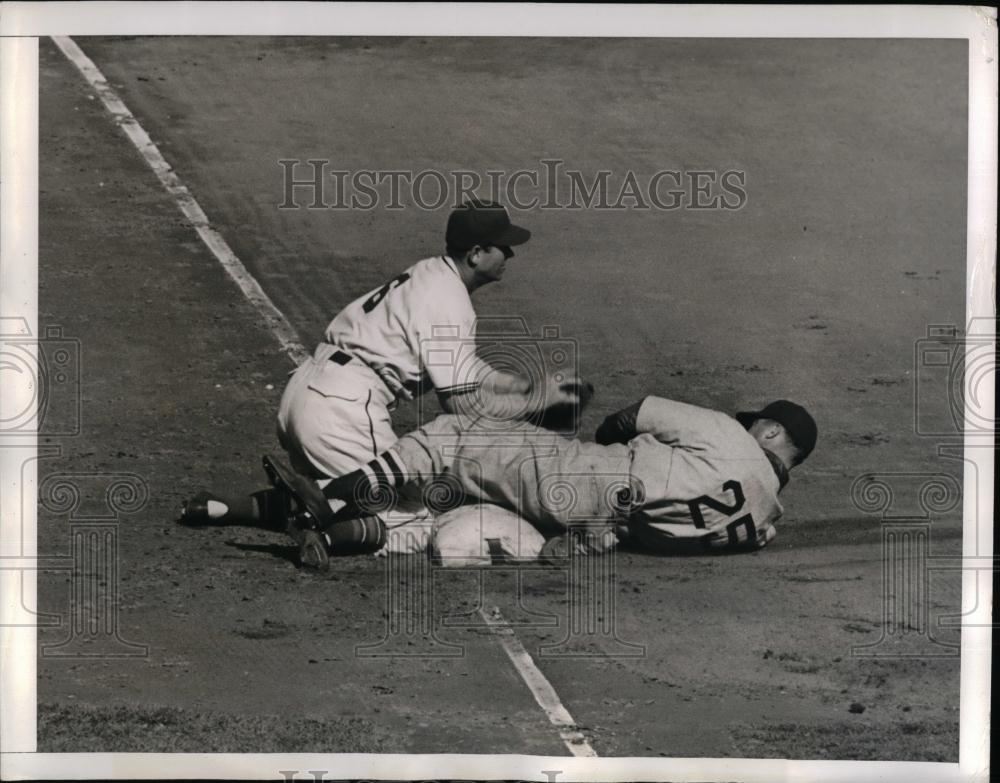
column 794, row 418
column 484, row 223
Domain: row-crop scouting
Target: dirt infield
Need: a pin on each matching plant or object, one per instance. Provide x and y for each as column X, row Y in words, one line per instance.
column 851, row 242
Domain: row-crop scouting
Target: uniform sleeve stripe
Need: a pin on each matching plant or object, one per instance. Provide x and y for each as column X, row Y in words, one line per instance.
column 390, row 461
column 460, row 388
column 381, row 479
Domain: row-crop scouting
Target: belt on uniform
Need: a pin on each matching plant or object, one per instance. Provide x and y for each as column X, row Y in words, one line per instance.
column 342, row 358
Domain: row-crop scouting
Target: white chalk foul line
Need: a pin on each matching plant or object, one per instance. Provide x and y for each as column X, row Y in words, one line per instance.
column 191, row 209
column 539, row 686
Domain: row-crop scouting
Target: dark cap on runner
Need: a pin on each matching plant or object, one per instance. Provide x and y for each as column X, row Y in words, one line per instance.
column 794, row 418
column 483, row 223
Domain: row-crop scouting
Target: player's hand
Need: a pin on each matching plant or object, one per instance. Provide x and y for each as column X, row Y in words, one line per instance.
column 556, row 550
column 581, row 390
column 563, row 401
column 560, row 390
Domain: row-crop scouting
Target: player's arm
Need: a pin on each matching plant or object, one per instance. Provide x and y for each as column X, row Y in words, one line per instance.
column 502, row 382
column 677, row 423
column 504, row 395
column 490, row 383
column 488, row 389
column 464, row 382
column 666, row 420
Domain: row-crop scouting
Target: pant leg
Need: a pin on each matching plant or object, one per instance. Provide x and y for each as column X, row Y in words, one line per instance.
column 551, row 481
column 334, row 418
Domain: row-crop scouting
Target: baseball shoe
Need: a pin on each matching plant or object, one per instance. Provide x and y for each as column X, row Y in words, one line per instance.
column 203, row 509
column 314, row 552
column 308, row 513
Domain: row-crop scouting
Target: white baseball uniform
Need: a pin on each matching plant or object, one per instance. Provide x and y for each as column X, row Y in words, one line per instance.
column 412, row 334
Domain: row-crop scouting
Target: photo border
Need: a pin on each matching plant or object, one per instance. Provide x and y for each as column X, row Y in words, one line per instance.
column 20, row 26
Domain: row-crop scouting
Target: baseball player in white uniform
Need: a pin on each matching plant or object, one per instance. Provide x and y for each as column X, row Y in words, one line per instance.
column 673, row 475
column 385, row 346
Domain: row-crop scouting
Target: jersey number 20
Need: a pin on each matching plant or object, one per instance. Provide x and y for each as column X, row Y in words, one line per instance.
column 744, row 524
column 373, row 301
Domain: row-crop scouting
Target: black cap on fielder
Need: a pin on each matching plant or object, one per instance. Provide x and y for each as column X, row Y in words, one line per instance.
column 484, row 223
column 794, row 418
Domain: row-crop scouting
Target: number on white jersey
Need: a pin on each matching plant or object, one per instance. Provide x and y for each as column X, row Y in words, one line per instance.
column 375, row 299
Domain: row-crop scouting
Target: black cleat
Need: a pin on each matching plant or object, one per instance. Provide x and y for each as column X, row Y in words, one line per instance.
column 313, row 551
column 309, row 513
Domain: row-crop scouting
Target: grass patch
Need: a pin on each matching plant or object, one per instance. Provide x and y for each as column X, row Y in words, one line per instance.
column 142, row 729
column 913, row 741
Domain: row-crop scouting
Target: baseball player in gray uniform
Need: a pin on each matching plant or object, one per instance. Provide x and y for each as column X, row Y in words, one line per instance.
column 334, row 414
column 674, row 475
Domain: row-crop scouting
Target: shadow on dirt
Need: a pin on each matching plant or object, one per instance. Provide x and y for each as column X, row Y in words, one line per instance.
column 281, row 551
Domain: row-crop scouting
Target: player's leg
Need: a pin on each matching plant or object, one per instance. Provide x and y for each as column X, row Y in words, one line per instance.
column 324, row 423
column 553, row 482
column 408, row 524
column 375, row 486
column 338, row 422
column 522, row 467
column 264, row 508
column 334, row 421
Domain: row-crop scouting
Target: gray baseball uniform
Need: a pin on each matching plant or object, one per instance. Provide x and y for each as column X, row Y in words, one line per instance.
column 684, row 474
